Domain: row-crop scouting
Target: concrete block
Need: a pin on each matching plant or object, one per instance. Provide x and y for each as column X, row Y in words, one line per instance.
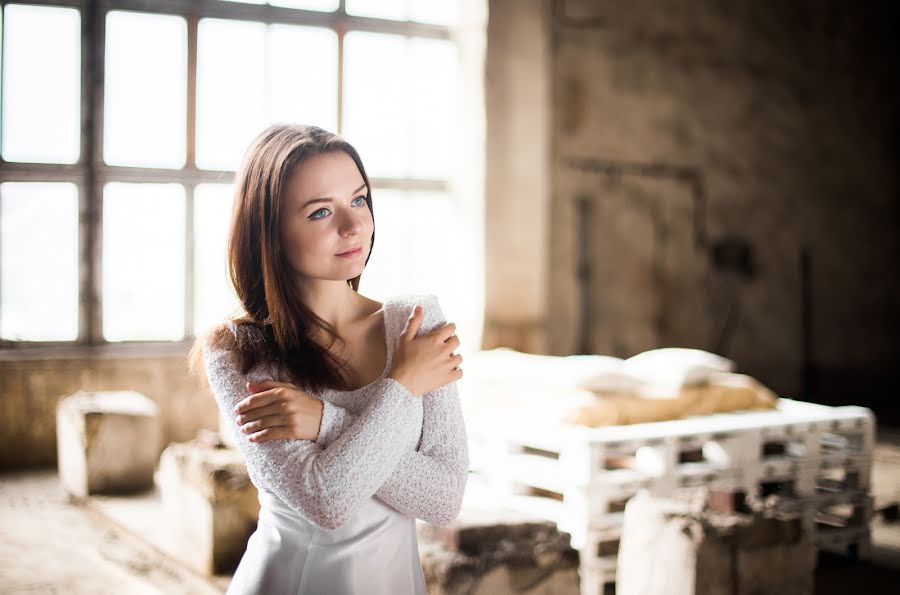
column 487, row 552
column 211, row 505
column 678, row 547
column 107, row 442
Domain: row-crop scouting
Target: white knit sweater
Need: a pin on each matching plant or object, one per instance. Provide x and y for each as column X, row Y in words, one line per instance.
column 379, row 440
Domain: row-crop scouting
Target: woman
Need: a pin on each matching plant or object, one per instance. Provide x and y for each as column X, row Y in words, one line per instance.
column 345, row 409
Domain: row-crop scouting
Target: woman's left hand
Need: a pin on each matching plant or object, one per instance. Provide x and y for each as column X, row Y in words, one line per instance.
column 277, row 410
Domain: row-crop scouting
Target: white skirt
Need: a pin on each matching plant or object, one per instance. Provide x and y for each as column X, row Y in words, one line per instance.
column 374, row 553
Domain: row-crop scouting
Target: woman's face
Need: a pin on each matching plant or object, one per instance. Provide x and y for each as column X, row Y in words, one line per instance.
column 324, row 213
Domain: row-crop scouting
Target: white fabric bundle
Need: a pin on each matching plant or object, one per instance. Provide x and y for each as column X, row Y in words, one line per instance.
column 658, row 373
column 508, row 365
column 667, row 370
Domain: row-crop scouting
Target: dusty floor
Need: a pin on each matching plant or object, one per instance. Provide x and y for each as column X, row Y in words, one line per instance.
column 49, row 545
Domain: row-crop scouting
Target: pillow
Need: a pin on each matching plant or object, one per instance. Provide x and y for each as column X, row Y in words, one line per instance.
column 665, row 371
column 510, row 366
column 613, row 382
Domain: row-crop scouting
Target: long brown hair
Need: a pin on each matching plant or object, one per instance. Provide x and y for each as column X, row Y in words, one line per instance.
column 275, row 325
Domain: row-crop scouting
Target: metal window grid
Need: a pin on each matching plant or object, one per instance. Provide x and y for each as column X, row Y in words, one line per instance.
column 90, row 173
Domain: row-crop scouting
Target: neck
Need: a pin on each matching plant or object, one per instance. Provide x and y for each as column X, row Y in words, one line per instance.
column 333, row 301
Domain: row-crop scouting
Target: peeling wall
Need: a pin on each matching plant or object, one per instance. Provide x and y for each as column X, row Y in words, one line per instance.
column 721, row 176
column 517, row 178
column 32, row 388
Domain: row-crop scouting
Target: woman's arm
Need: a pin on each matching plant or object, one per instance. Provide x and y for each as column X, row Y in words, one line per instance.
column 323, row 484
column 428, row 483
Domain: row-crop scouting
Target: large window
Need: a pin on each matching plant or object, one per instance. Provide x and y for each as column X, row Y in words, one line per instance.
column 123, row 123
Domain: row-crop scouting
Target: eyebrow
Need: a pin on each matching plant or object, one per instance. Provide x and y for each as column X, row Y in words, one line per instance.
column 328, row 198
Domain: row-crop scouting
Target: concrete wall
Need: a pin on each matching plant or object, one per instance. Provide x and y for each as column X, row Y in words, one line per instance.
column 630, row 146
column 723, row 175
column 31, row 388
column 517, row 180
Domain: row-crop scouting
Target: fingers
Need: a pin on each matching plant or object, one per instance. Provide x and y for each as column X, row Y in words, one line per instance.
column 451, row 344
column 276, row 433
column 268, row 421
column 256, row 387
column 259, row 399
column 412, row 324
column 442, row 333
column 276, row 408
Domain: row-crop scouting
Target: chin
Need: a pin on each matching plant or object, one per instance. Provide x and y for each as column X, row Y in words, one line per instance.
column 353, row 272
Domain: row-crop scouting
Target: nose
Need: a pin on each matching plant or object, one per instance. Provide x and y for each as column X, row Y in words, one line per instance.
column 350, row 225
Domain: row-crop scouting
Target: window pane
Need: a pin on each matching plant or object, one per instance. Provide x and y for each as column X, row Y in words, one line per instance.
column 408, row 127
column 436, row 12
column 433, row 108
column 214, row 298
column 384, row 9
column 386, row 271
column 435, row 258
column 230, row 83
column 309, row 97
column 143, row 262
column 41, row 84
column 376, row 101
column 408, row 257
column 39, row 265
column 324, row 5
column 145, row 90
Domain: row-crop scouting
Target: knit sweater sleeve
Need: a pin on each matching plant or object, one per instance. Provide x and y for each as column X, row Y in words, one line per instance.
column 428, row 482
column 322, row 483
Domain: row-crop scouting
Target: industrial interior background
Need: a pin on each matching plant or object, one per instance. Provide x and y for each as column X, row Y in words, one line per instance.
column 714, row 175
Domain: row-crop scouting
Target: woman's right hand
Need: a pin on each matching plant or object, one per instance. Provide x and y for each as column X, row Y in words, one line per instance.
column 426, row 362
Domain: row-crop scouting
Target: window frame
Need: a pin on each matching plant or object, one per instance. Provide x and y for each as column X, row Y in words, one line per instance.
column 90, row 173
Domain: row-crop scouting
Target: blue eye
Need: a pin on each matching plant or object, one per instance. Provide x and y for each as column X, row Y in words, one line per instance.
column 313, row 215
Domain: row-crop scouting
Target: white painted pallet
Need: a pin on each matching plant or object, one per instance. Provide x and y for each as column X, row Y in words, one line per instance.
column 594, row 576
column 662, row 456
column 789, row 419
column 568, row 474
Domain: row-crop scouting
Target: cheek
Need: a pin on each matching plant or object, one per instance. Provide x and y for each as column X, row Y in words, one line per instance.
column 368, row 223
column 301, row 241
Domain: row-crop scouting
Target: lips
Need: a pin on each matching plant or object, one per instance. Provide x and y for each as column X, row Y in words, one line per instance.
column 352, row 251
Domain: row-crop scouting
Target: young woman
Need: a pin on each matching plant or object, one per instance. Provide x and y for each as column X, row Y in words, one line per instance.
column 345, row 409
